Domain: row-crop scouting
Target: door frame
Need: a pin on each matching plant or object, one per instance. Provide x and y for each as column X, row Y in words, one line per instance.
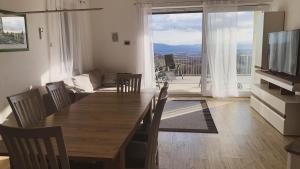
column 183, row 10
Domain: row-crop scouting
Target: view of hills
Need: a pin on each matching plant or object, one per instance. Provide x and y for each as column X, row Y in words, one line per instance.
column 162, row 49
column 192, row 50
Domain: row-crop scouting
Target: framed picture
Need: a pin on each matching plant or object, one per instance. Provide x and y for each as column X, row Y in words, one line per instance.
column 13, row 32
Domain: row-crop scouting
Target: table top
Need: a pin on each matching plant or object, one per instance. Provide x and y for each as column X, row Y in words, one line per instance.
column 101, row 124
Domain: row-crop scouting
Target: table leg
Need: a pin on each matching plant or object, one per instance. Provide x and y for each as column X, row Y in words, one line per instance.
column 118, row 163
column 11, row 163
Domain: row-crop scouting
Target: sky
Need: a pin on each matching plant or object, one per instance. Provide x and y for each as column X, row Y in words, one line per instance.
column 186, row 29
column 13, row 24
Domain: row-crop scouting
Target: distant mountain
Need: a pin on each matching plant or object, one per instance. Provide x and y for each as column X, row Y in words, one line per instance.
column 195, row 49
column 244, row 46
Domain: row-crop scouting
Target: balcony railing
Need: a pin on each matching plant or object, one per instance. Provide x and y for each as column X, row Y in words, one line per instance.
column 191, row 65
column 244, row 63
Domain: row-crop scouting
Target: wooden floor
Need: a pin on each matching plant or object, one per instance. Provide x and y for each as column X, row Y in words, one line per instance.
column 245, row 141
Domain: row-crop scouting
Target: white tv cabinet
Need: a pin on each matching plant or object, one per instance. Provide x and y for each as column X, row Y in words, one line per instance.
column 281, row 111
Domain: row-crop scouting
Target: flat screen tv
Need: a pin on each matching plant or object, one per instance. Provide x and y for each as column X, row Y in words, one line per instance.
column 284, row 52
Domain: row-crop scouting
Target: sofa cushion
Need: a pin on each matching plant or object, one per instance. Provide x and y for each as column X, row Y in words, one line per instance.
column 70, row 86
column 109, row 79
column 106, row 89
column 95, row 78
column 83, row 82
column 68, row 82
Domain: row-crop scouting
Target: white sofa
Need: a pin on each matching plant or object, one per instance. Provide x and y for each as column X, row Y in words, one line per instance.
column 93, row 81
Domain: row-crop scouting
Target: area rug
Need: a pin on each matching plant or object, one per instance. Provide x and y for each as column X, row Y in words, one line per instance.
column 187, row 116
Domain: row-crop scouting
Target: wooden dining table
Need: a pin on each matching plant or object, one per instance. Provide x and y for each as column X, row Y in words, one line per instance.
column 99, row 126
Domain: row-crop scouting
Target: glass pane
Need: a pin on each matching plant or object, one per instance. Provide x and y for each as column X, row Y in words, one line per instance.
column 178, row 50
column 244, row 50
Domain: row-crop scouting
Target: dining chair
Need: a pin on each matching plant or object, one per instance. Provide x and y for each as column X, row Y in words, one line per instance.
column 142, row 133
column 163, row 90
column 59, row 95
column 129, row 83
column 35, row 148
column 28, row 107
column 144, row 155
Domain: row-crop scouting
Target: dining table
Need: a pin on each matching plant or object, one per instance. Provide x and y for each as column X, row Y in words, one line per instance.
column 101, row 125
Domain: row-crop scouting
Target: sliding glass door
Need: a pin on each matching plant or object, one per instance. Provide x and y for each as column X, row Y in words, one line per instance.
column 204, row 53
column 178, row 48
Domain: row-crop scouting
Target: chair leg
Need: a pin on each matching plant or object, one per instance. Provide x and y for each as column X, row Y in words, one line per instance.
column 157, row 159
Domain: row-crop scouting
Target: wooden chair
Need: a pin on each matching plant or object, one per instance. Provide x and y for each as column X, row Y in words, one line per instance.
column 129, row 83
column 163, row 90
column 28, row 107
column 145, row 154
column 59, row 95
column 38, row 148
column 141, row 133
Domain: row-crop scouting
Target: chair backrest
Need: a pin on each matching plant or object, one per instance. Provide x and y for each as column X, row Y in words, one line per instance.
column 163, row 91
column 170, row 62
column 59, row 95
column 129, row 83
column 28, row 107
column 38, row 148
column 153, row 132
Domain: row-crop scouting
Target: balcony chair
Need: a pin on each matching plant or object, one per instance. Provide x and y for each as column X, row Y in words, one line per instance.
column 172, row 69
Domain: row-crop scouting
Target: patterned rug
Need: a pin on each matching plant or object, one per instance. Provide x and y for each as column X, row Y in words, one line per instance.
column 187, row 116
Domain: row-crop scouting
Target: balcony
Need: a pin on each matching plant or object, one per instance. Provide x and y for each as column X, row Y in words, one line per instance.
column 190, row 68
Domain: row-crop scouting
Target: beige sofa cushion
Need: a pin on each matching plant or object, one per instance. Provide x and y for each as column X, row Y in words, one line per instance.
column 70, row 85
column 69, row 82
column 83, row 82
column 107, row 89
column 96, row 79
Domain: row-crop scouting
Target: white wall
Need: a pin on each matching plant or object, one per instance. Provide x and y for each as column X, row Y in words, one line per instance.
column 117, row 16
column 121, row 16
column 19, row 70
column 292, row 12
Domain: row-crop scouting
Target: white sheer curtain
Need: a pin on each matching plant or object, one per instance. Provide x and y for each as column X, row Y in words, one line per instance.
column 221, row 50
column 65, row 40
column 145, row 56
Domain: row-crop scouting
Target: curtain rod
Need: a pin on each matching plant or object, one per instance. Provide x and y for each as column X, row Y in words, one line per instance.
column 52, row 11
column 203, row 1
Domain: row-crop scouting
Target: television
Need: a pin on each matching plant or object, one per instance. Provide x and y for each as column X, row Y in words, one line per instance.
column 284, row 52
